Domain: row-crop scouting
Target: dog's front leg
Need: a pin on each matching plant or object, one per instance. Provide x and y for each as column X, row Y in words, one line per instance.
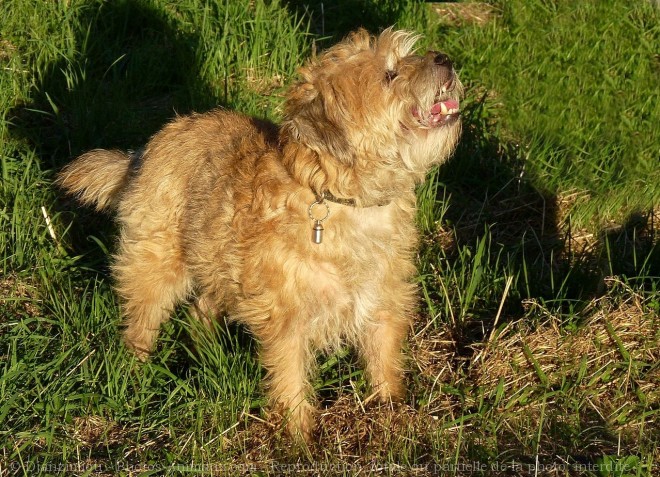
column 288, row 361
column 381, row 345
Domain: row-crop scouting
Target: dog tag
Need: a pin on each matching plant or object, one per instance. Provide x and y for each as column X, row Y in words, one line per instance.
column 317, row 229
column 317, row 232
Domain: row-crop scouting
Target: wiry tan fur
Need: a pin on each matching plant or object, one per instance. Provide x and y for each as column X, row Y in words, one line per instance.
column 216, row 211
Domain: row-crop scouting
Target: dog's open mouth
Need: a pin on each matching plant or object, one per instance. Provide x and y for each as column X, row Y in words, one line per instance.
column 440, row 114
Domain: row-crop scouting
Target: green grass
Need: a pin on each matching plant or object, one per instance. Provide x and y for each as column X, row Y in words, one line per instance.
column 537, row 341
column 585, row 118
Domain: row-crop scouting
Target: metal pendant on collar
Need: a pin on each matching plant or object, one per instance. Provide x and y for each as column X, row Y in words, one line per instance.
column 317, row 229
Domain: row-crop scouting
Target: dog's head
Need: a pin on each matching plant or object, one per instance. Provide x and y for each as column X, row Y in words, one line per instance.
column 373, row 101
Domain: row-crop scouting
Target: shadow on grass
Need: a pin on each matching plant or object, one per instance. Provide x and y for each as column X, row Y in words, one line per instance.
column 135, row 68
column 331, row 21
column 490, row 198
column 133, row 71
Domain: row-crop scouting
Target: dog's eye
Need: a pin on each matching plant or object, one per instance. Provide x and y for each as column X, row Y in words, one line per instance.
column 390, row 75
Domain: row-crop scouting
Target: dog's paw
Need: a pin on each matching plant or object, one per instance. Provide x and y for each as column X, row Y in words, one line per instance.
column 301, row 423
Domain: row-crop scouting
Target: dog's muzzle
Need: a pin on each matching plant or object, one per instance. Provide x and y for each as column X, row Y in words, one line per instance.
column 445, row 108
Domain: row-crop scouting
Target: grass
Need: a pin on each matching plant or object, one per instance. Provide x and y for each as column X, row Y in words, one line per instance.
column 586, row 115
column 536, row 347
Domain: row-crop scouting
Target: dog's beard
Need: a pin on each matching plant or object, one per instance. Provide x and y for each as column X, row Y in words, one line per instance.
column 429, row 129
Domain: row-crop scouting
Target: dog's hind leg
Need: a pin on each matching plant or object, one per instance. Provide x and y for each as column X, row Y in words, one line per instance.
column 151, row 278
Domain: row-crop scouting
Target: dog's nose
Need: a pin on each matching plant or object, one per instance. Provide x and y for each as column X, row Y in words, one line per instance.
column 442, row 60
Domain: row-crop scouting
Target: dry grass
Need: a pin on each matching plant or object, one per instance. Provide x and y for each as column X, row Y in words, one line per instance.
column 611, row 334
column 351, row 436
column 459, row 14
column 609, row 363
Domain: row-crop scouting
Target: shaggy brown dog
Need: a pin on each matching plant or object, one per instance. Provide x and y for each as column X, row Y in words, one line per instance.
column 303, row 232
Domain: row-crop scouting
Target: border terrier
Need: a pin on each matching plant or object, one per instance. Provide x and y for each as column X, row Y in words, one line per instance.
column 304, row 232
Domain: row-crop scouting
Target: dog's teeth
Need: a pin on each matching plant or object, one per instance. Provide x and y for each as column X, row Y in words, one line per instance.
column 443, row 108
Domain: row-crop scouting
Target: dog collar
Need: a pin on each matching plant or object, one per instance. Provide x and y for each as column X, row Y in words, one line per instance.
column 337, row 200
column 317, row 229
column 327, row 195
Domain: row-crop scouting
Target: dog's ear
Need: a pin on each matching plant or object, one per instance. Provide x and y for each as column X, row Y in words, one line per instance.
column 313, row 116
column 393, row 45
column 360, row 39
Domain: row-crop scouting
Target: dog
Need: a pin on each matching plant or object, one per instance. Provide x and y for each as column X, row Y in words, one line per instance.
column 304, row 232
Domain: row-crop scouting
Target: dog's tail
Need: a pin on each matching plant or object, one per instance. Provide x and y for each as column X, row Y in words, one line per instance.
column 97, row 177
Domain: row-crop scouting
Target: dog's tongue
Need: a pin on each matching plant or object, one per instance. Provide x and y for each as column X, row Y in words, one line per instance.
column 440, row 113
column 444, row 107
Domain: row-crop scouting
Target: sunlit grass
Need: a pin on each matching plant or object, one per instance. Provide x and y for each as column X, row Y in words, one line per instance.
column 576, row 83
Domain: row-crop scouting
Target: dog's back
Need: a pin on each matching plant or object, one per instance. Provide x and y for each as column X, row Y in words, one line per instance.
column 98, row 177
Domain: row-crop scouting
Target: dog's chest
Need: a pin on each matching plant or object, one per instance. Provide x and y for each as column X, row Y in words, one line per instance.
column 350, row 271
column 362, row 229
column 343, row 300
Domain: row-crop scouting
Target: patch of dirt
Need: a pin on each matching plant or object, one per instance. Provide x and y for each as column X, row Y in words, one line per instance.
column 6, row 50
column 18, row 295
